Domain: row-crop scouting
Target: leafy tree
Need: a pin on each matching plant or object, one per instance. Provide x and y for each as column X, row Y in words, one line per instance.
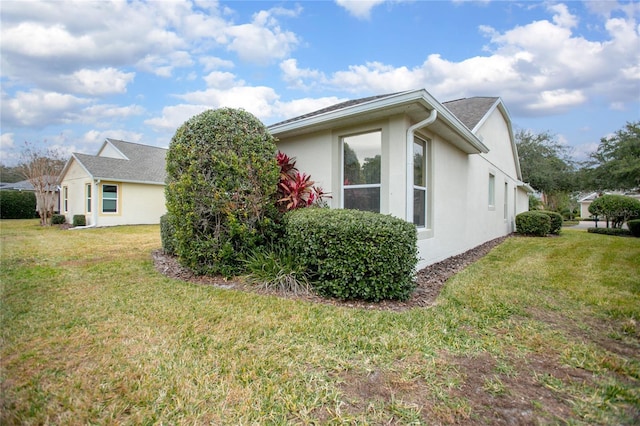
column 222, row 179
column 42, row 167
column 616, row 163
column 616, row 209
column 545, row 162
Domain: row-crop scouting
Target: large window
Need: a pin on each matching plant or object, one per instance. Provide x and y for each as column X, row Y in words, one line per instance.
column 506, row 200
column 419, row 182
column 361, row 171
column 109, row 198
column 88, row 191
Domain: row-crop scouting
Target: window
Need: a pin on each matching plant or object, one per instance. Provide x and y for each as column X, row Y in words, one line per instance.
column 492, row 190
column 361, row 157
column 419, row 183
column 65, row 198
column 88, row 198
column 109, row 198
column 506, row 200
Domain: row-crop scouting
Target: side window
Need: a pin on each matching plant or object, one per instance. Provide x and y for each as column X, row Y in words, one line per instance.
column 492, row 190
column 361, row 158
column 109, row 198
column 419, row 182
column 65, row 198
column 88, row 191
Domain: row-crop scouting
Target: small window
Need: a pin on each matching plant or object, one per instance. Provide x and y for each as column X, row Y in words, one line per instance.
column 419, row 183
column 361, row 156
column 65, row 198
column 88, row 198
column 492, row 190
column 109, row 198
column 506, row 201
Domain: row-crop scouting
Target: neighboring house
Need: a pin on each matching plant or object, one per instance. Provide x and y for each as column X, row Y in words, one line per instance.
column 122, row 185
column 25, row 185
column 452, row 169
column 586, row 201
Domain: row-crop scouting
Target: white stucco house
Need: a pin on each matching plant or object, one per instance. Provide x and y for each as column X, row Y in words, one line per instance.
column 123, row 184
column 450, row 168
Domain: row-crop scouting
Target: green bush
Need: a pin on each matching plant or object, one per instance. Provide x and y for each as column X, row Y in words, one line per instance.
column 616, row 209
column 58, row 219
column 167, row 234
column 634, row 227
column 610, row 231
column 556, row 221
column 352, row 254
column 17, row 205
column 533, row 223
column 222, row 178
column 79, row 220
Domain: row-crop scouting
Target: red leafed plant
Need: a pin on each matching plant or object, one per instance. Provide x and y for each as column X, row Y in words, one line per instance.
column 295, row 189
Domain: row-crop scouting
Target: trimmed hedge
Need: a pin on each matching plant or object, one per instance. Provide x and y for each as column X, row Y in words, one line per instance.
column 556, row 221
column 79, row 220
column 617, row 232
column 17, row 205
column 533, row 223
column 634, row 227
column 58, row 219
column 168, row 234
column 351, row 254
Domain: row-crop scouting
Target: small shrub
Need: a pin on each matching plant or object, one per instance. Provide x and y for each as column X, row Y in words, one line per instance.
column 79, row 220
column 617, row 232
column 58, row 219
column 634, row 227
column 275, row 268
column 556, row 221
column 351, row 254
column 168, row 234
column 533, row 223
column 17, row 205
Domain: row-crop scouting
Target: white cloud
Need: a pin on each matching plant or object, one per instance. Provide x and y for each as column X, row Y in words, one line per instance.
column 300, row 78
column 212, row 63
column 361, row 9
column 39, row 109
column 93, row 139
column 174, row 116
column 99, row 82
column 262, row 40
column 303, row 106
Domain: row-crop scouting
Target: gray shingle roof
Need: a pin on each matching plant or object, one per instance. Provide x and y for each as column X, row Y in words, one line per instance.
column 470, row 110
column 145, row 163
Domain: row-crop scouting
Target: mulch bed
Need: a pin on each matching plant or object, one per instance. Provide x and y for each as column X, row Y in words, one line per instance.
column 429, row 281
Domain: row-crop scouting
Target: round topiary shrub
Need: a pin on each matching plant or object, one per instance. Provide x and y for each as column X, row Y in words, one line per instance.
column 222, row 178
column 352, row 254
column 634, row 227
column 556, row 221
column 533, row 223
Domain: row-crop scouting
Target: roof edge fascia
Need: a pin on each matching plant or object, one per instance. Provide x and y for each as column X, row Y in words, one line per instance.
column 144, row 182
column 419, row 95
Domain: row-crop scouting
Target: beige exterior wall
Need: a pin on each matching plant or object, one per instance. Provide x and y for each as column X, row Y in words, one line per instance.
column 137, row 203
column 459, row 214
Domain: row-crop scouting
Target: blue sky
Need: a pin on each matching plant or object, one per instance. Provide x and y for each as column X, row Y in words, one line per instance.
column 75, row 73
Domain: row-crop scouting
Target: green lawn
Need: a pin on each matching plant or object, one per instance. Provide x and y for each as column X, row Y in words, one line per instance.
column 541, row 330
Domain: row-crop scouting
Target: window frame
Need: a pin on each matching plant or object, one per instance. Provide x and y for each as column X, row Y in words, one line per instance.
column 344, row 188
column 116, row 199
column 425, row 181
column 492, row 191
column 65, row 199
column 506, row 201
column 89, row 197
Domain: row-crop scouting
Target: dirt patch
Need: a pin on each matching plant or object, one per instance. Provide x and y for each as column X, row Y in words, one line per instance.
column 429, row 281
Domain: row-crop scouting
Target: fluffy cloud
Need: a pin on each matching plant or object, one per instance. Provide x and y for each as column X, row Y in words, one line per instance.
column 39, row 109
column 361, row 9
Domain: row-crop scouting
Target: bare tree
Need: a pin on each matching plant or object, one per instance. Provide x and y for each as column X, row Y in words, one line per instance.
column 41, row 167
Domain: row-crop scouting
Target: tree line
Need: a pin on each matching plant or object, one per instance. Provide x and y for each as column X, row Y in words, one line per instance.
column 548, row 167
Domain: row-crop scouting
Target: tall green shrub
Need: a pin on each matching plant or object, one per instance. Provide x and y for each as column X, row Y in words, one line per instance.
column 533, row 223
column 634, row 227
column 221, row 182
column 353, row 254
column 17, row 205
